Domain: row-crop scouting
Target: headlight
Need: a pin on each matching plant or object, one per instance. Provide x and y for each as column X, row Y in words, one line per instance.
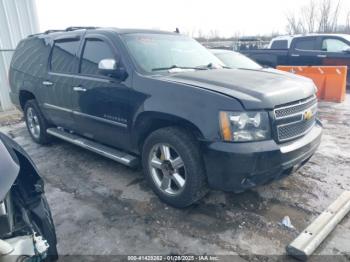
column 244, row 126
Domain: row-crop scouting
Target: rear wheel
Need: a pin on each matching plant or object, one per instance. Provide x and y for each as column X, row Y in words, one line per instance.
column 36, row 123
column 173, row 166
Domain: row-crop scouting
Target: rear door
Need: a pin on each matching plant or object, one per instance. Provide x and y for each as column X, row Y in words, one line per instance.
column 57, row 87
column 334, row 48
column 305, row 51
column 101, row 103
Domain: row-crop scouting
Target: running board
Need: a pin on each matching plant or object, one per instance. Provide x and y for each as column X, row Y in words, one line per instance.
column 106, row 151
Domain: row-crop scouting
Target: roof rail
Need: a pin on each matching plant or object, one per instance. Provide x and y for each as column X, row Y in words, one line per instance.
column 72, row 28
column 52, row 31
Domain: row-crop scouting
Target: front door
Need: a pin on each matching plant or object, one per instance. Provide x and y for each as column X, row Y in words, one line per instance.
column 101, row 103
column 337, row 52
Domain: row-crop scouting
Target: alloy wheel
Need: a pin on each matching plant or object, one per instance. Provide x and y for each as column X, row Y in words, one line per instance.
column 33, row 122
column 167, row 169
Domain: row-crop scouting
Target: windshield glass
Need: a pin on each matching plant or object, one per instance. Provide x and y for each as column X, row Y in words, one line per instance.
column 346, row 37
column 237, row 60
column 157, row 52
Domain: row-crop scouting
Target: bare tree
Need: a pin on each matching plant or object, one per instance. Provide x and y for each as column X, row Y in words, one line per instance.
column 293, row 24
column 214, row 34
column 309, row 15
column 347, row 23
column 328, row 20
column 318, row 16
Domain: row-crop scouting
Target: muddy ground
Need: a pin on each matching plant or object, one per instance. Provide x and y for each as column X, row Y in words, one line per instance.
column 101, row 207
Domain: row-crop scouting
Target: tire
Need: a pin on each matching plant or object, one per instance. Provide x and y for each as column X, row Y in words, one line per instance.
column 39, row 135
column 181, row 144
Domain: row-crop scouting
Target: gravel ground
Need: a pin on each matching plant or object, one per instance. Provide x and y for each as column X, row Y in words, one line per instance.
column 103, row 208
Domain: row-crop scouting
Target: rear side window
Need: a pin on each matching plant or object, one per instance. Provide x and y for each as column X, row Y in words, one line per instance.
column 305, row 44
column 94, row 51
column 63, row 57
column 279, row 44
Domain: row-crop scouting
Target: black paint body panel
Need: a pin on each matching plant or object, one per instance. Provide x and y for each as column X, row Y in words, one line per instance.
column 119, row 113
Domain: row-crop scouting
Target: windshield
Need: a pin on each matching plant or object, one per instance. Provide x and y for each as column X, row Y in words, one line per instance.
column 157, row 52
column 347, row 37
column 237, row 60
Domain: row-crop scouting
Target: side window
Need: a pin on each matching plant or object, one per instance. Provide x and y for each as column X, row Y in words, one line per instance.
column 94, row 51
column 334, row 45
column 305, row 44
column 279, row 44
column 63, row 56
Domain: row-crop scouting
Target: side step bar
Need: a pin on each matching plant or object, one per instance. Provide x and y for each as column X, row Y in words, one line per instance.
column 106, row 151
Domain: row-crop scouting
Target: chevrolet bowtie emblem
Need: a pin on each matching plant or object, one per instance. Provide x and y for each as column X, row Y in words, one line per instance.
column 308, row 115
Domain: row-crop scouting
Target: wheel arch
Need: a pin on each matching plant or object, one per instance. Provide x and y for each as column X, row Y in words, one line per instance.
column 24, row 96
column 148, row 122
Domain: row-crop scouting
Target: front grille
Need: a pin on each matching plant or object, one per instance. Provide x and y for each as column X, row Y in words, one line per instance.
column 295, row 107
column 290, row 118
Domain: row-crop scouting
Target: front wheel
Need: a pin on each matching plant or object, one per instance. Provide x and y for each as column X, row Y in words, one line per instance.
column 173, row 166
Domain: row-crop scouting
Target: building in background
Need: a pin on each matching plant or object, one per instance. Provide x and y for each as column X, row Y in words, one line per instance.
column 18, row 19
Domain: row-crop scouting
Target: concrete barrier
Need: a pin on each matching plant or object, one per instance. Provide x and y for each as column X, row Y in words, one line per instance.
column 330, row 80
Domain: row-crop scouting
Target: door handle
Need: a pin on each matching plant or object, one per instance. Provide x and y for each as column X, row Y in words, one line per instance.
column 47, row 83
column 295, row 55
column 79, row 89
column 322, row 56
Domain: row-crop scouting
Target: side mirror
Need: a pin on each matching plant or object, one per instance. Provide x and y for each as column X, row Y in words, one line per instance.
column 110, row 67
column 347, row 50
column 107, row 65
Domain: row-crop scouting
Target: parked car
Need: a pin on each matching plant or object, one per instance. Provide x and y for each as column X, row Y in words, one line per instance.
column 234, row 59
column 164, row 100
column 27, row 232
column 304, row 50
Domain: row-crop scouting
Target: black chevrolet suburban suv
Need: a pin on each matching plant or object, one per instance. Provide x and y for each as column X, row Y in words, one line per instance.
column 163, row 100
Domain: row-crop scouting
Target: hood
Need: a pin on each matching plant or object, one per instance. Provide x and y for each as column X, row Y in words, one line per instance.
column 9, row 168
column 256, row 89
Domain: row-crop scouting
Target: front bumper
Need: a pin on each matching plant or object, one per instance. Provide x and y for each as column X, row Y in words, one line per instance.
column 239, row 166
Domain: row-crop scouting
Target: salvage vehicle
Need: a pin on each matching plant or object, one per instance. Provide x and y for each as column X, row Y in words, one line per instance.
column 305, row 50
column 163, row 100
column 234, row 59
column 27, row 232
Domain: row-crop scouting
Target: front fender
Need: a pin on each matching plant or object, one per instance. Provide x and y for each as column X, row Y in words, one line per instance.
column 180, row 102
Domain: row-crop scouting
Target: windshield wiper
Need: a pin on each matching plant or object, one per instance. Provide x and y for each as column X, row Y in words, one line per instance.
column 178, row 67
column 211, row 66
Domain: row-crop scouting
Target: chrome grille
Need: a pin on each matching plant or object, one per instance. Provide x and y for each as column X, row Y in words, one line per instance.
column 296, row 107
column 290, row 118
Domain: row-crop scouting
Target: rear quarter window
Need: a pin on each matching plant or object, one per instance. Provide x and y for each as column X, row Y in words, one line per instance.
column 31, row 56
column 279, row 44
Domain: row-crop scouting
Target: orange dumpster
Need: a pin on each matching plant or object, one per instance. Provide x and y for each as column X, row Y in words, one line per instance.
column 330, row 80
